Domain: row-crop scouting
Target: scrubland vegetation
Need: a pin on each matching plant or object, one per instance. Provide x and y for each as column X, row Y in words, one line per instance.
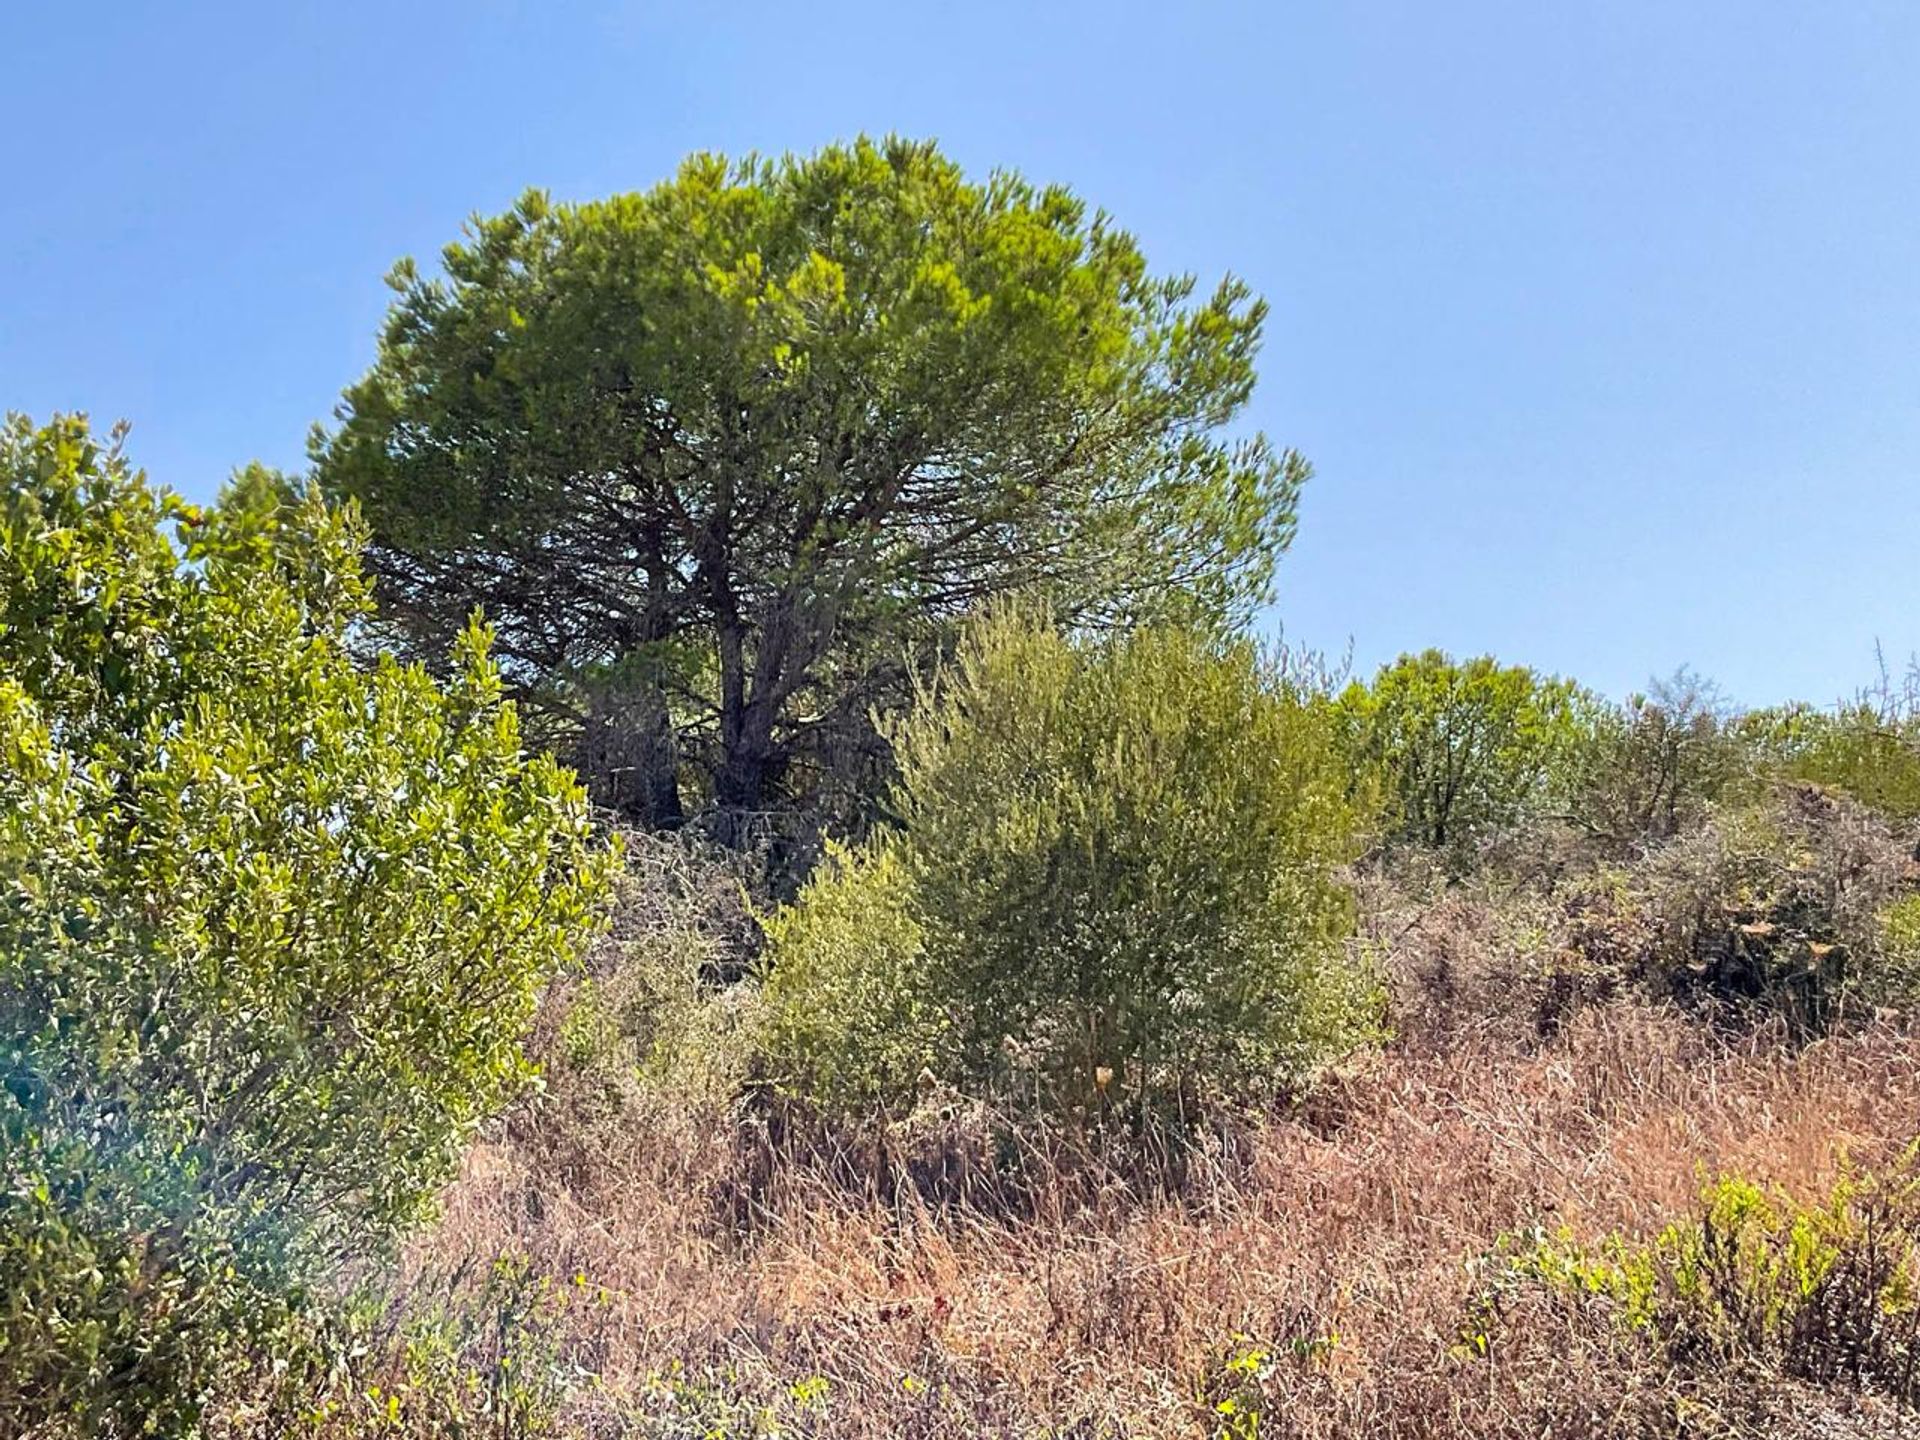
column 957, row 980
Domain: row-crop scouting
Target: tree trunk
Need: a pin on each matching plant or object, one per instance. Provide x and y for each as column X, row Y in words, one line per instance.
column 657, row 769
column 629, row 758
column 741, row 782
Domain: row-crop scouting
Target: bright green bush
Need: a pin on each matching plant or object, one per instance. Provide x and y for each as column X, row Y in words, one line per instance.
column 1861, row 749
column 271, row 927
column 1828, row 1291
column 1115, row 883
column 1463, row 747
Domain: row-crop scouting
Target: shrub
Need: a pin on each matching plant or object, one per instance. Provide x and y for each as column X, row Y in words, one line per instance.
column 271, row 927
column 1652, row 769
column 1829, row 1292
column 655, row 1026
column 1792, row 906
column 1115, row 884
column 1781, row 903
column 1463, row 747
column 1865, row 750
column 474, row 1355
column 1800, row 908
column 1900, row 941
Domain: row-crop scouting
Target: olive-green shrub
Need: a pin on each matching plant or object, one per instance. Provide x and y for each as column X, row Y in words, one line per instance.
column 271, row 927
column 1115, row 883
column 1654, row 768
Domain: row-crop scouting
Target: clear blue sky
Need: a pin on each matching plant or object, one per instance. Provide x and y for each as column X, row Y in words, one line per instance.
column 1600, row 321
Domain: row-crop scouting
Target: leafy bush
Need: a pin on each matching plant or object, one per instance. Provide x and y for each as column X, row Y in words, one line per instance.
column 1653, row 768
column 1828, row 1292
column 1114, row 885
column 477, row 1358
column 1464, row 747
column 1900, row 940
column 271, row 926
column 1865, row 750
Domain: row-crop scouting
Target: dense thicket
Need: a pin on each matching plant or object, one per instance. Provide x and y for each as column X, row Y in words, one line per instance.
column 715, row 456
column 1869, row 747
column 271, row 928
column 1655, row 767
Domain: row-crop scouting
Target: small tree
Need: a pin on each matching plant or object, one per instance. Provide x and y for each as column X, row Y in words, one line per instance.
column 716, row 455
column 1652, row 769
column 1115, row 882
column 1463, row 747
column 271, row 926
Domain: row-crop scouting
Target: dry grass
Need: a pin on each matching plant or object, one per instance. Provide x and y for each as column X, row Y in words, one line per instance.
column 718, row 1269
column 1341, row 1241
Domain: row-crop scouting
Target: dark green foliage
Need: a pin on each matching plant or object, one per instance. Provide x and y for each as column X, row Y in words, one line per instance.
column 1114, row 886
column 716, row 455
column 270, row 926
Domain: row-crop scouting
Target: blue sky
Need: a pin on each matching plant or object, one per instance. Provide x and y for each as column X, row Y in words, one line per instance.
column 1600, row 321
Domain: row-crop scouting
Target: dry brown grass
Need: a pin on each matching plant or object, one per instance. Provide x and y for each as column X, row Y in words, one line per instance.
column 721, row 1269
column 1340, row 1240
